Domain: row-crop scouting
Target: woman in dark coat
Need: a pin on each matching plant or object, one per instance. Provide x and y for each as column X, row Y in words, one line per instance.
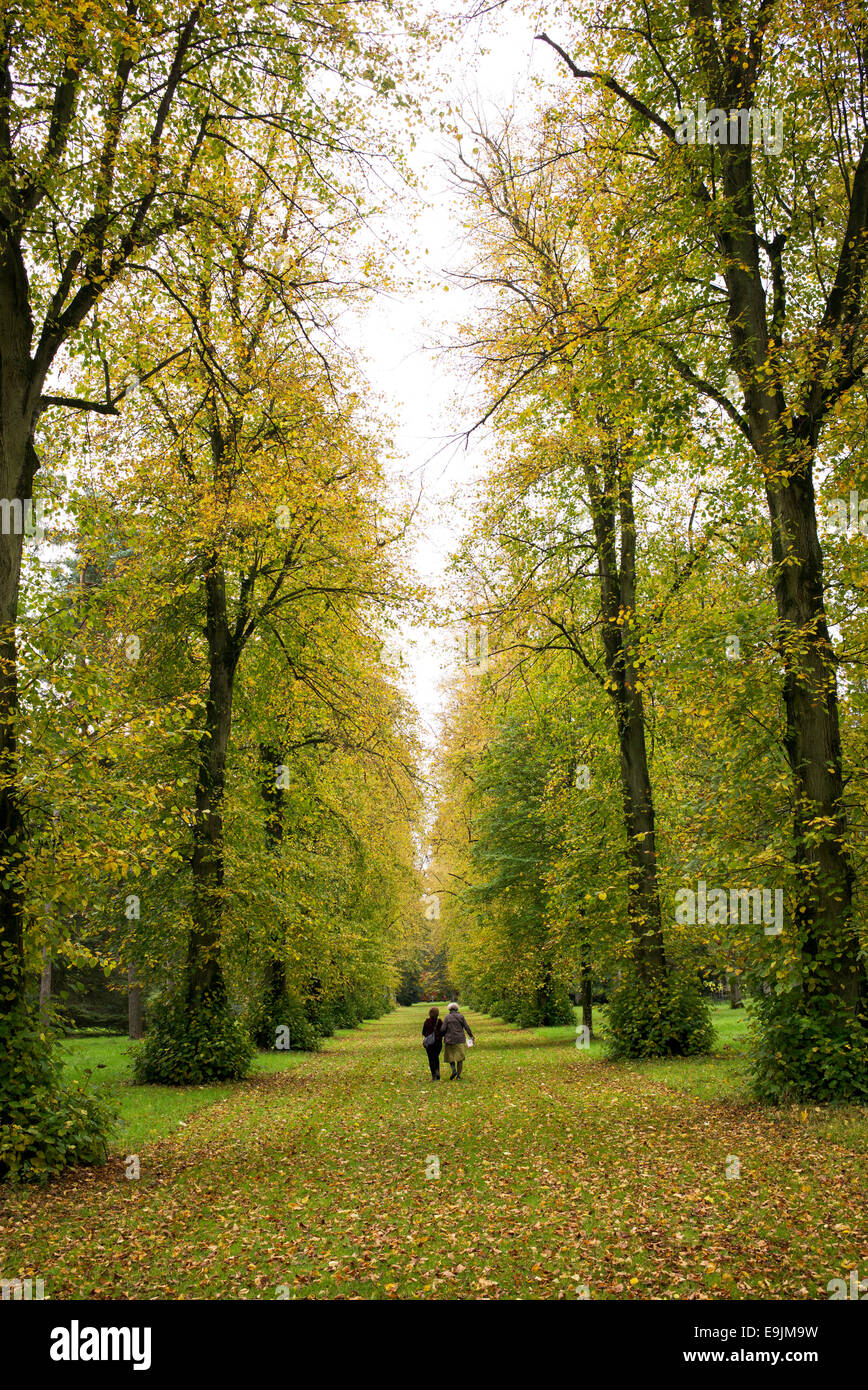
column 432, row 1037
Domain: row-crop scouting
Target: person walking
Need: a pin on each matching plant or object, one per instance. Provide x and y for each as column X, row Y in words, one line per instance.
column 432, row 1041
column 454, row 1027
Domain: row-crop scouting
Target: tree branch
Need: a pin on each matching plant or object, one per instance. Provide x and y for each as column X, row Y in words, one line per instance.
column 613, row 86
column 687, row 374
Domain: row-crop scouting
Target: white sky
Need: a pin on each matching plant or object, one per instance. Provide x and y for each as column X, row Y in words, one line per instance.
column 491, row 63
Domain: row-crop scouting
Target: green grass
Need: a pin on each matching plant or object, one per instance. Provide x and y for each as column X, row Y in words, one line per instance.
column 558, row 1171
column 147, row 1112
column 724, row 1074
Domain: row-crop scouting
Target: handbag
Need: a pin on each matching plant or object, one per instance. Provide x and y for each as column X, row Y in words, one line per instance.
column 429, row 1039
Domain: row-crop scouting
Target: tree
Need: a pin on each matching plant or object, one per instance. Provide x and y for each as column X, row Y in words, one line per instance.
column 114, row 126
column 728, row 237
column 269, row 479
column 593, row 432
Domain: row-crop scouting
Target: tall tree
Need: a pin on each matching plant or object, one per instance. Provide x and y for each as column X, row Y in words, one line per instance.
column 110, row 119
column 767, row 254
column 552, row 361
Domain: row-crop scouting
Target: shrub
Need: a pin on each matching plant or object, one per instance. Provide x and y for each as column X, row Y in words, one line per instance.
column 46, row 1124
column 545, row 1008
column 321, row 1016
column 552, row 1010
column 808, row 1048
column 668, row 1017
column 346, row 1015
column 285, row 1012
column 187, row 1046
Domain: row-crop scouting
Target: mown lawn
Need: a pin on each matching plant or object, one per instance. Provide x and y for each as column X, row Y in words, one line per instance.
column 559, row 1173
column 146, row 1113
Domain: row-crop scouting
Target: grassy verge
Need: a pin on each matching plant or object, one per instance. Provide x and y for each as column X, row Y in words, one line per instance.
column 147, row 1113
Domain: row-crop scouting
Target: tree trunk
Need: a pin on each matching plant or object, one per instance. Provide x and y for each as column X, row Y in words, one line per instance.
column 18, row 463
column 275, row 983
column 274, row 796
column 618, row 609
column 20, row 394
column 134, row 1005
column 45, row 987
column 735, row 1001
column 586, row 981
column 785, row 444
column 644, row 905
column 205, row 978
column 824, row 911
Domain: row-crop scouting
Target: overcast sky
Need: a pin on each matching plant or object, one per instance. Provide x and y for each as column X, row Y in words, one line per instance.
column 426, row 392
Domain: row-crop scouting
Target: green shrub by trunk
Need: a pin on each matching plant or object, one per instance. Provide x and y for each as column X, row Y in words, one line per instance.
column 286, row 1012
column 548, row 1007
column 346, row 1014
column 321, row 1016
column 46, row 1124
column 187, row 1045
column 552, row 1009
column 665, row 1017
column 808, row 1048
column 499, row 1008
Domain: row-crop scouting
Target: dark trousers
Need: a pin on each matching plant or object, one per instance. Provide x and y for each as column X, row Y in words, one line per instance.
column 434, row 1057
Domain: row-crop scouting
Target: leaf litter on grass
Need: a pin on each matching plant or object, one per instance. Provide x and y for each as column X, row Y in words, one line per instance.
column 556, row 1172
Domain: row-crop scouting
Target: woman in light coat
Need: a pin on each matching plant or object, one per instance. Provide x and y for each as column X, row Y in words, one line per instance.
column 454, row 1026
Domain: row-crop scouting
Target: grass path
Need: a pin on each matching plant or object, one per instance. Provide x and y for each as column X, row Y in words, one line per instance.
column 558, row 1172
